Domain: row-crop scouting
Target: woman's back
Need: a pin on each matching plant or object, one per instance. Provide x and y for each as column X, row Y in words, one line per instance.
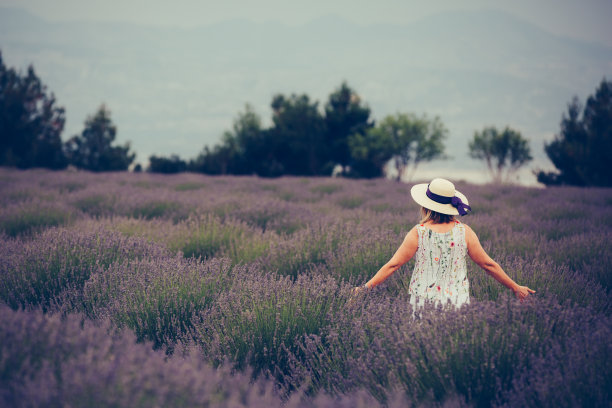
column 440, row 272
column 440, row 244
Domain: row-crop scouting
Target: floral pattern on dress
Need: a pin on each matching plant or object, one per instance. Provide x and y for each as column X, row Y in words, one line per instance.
column 440, row 271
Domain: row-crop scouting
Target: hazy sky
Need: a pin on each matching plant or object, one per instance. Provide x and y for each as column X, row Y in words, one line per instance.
column 586, row 19
column 201, row 118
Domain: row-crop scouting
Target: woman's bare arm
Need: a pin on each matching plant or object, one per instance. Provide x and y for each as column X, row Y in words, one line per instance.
column 403, row 254
column 482, row 259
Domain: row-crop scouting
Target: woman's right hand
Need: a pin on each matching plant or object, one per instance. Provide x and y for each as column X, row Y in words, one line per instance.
column 521, row 292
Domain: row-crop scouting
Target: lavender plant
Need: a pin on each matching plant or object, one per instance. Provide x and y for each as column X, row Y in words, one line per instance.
column 52, row 268
column 255, row 275
column 262, row 316
column 478, row 353
column 48, row 361
column 305, row 249
column 157, row 298
column 207, row 236
column 20, row 219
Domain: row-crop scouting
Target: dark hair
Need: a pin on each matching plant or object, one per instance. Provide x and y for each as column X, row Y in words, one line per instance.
column 435, row 217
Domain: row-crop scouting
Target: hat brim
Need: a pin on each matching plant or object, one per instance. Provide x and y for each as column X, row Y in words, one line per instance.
column 419, row 194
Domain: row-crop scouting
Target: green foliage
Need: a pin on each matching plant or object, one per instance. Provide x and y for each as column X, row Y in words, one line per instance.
column 30, row 123
column 301, row 141
column 248, row 141
column 356, row 262
column 208, row 236
column 189, row 186
column 71, row 187
column 158, row 307
column 415, row 139
column 242, row 150
column 326, row 188
column 259, row 321
column 55, row 265
column 404, row 138
column 216, row 160
column 32, row 219
column 157, row 209
column 305, row 250
column 96, row 205
column 148, row 184
column 293, row 145
column 351, row 202
column 167, row 165
column 288, row 311
column 92, row 150
column 436, row 355
column 581, row 151
column 344, row 115
column 297, row 136
column 504, row 152
column 370, row 152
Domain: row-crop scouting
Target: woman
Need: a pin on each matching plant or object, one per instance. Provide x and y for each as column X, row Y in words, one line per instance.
column 440, row 244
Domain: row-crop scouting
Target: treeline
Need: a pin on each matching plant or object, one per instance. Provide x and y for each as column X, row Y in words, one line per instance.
column 340, row 138
column 31, row 125
column 302, row 140
column 346, row 140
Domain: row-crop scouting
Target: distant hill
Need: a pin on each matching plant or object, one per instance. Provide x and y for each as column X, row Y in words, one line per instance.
column 175, row 90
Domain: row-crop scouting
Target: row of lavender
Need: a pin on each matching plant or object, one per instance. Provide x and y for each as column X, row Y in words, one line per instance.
column 257, row 274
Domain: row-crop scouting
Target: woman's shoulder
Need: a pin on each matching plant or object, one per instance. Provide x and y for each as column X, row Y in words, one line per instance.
column 464, row 226
column 467, row 227
column 415, row 229
column 470, row 235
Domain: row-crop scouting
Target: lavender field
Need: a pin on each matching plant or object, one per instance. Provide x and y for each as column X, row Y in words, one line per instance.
column 131, row 290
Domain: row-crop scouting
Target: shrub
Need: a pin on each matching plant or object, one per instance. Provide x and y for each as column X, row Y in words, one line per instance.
column 96, row 205
column 48, row 361
column 51, row 269
column 28, row 219
column 260, row 317
column 156, row 298
column 279, row 303
column 356, row 261
column 351, row 202
column 304, row 250
column 160, row 209
column 477, row 353
column 189, row 186
column 208, row 236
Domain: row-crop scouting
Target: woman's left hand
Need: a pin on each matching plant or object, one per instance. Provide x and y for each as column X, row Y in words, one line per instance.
column 521, row 292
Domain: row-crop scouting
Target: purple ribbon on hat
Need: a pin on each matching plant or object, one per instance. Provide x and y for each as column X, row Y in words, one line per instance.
column 454, row 201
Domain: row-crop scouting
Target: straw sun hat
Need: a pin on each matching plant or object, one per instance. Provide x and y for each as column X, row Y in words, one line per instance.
column 440, row 196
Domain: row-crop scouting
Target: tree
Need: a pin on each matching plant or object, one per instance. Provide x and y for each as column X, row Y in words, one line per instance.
column 297, row 138
column 247, row 141
column 243, row 149
column 92, row 149
column 220, row 159
column 504, row 152
column 581, row 151
column 413, row 140
column 30, row 123
column 344, row 116
column 370, row 152
column 167, row 165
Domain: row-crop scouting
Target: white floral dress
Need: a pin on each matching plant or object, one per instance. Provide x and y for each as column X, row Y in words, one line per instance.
column 440, row 273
